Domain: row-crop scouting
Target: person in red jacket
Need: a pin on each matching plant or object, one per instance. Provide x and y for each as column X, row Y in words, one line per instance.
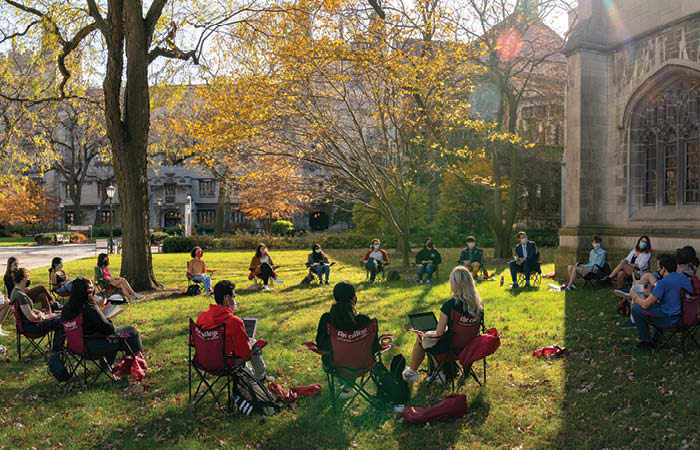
column 238, row 346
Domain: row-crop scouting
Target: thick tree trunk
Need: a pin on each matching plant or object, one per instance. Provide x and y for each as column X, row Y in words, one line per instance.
column 221, row 210
column 502, row 245
column 405, row 251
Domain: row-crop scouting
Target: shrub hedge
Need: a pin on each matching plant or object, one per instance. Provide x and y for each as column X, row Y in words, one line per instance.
column 281, row 227
column 178, row 244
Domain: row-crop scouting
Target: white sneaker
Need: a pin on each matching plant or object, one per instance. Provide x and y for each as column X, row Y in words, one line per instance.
column 440, row 378
column 427, row 281
column 409, row 375
column 346, row 393
column 278, row 281
column 138, row 296
column 573, row 286
column 420, row 281
column 3, row 332
column 266, row 288
column 3, row 349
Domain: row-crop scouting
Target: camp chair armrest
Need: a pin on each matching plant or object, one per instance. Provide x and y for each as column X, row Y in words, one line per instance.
column 385, row 342
column 312, row 346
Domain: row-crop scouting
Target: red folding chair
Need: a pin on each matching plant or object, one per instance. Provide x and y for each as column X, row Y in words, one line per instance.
column 209, row 363
column 353, row 361
column 36, row 340
column 77, row 355
column 686, row 327
column 464, row 329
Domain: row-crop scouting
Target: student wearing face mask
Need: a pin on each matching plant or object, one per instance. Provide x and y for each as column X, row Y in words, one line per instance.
column 318, row 262
column 38, row 294
column 525, row 260
column 103, row 277
column 197, row 270
column 375, row 259
column 472, row 257
column 59, row 280
column 261, row 266
column 238, row 347
column 664, row 303
column 596, row 260
column 427, row 261
column 637, row 259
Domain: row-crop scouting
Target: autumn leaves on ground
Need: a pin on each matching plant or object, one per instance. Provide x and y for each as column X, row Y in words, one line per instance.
column 601, row 395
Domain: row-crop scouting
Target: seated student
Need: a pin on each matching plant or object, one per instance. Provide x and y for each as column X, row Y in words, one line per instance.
column 238, row 346
column 38, row 294
column 643, row 288
column 637, row 259
column 465, row 299
column 472, row 257
column 96, row 327
column 427, row 261
column 197, row 269
column 375, row 259
column 318, row 262
column 103, row 277
column 4, row 312
column 687, row 261
column 343, row 317
column 596, row 260
column 525, row 260
column 664, row 302
column 59, row 280
column 261, row 266
column 34, row 321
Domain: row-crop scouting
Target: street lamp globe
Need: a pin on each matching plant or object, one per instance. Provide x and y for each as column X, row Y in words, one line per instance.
column 110, row 191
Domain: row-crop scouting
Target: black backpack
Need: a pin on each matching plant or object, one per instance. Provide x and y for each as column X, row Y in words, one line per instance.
column 391, row 387
column 193, row 289
column 57, row 367
column 251, row 396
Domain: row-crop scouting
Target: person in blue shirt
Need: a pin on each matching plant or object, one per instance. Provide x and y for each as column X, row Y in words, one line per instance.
column 525, row 260
column 664, row 303
column 596, row 260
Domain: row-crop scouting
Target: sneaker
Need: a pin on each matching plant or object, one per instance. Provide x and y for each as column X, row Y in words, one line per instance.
column 346, row 393
column 420, row 281
column 3, row 349
column 440, row 378
column 55, row 306
column 326, row 282
column 624, row 293
column 138, row 297
column 573, row 286
column 278, row 281
column 427, row 281
column 514, row 286
column 409, row 375
column 266, row 288
column 627, row 324
column 3, row 332
column 643, row 346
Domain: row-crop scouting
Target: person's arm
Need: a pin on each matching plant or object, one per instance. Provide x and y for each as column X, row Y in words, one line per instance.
column 419, row 258
column 532, row 253
column 98, row 320
column 310, row 260
column 31, row 314
column 462, row 257
column 253, row 266
column 52, row 278
column 438, row 259
column 189, row 269
column 442, row 324
column 479, row 257
column 643, row 261
column 241, row 347
column 99, row 275
column 645, row 303
column 323, row 340
column 366, row 258
column 385, row 255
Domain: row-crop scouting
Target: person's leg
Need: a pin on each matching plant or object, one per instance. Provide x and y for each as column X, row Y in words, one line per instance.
column 617, row 269
column 266, row 273
column 372, row 267
column 640, row 321
column 430, row 268
column 514, row 269
column 103, row 347
column 318, row 270
column 123, row 285
column 40, row 294
column 419, row 271
column 327, row 272
column 625, row 272
column 417, row 356
column 206, row 282
column 4, row 312
column 52, row 324
column 380, row 267
column 571, row 269
column 475, row 269
column 133, row 339
column 528, row 267
column 258, row 364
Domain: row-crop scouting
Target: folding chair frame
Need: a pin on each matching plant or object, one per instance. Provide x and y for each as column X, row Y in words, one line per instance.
column 535, row 274
column 679, row 330
column 36, row 341
column 381, row 273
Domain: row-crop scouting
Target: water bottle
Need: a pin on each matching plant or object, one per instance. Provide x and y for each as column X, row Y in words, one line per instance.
column 501, row 280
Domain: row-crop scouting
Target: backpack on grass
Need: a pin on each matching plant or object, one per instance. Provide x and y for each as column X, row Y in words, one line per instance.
column 393, row 275
column 251, row 395
column 193, row 289
column 57, row 367
column 391, row 387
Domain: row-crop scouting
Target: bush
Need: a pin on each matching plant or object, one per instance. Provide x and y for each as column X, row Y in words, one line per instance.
column 204, row 228
column 158, row 236
column 103, row 231
column 247, row 241
column 18, row 229
column 16, row 235
column 178, row 244
column 281, row 227
column 48, row 238
column 177, row 230
column 78, row 238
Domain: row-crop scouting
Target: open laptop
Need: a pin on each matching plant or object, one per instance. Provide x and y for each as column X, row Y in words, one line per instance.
column 251, row 326
column 424, row 321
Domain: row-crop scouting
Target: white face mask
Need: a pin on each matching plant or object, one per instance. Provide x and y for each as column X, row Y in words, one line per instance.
column 470, row 245
column 376, row 246
column 233, row 305
column 60, row 266
column 318, row 250
column 523, row 241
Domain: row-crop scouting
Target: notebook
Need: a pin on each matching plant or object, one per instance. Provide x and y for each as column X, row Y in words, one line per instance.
column 251, row 325
column 424, row 321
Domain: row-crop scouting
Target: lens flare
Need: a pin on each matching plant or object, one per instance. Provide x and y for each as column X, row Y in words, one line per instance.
column 508, row 45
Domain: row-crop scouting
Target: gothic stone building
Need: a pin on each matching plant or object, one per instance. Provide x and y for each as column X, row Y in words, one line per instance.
column 632, row 158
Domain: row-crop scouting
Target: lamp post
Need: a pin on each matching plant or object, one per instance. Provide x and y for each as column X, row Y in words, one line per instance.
column 188, row 216
column 159, row 203
column 110, row 196
column 61, row 205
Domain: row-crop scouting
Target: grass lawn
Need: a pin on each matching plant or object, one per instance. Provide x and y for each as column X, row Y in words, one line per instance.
column 17, row 242
column 600, row 396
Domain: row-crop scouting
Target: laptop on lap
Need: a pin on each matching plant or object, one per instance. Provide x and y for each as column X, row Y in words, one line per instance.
column 424, row 321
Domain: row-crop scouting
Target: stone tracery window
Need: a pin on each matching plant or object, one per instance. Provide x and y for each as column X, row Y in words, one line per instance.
column 664, row 148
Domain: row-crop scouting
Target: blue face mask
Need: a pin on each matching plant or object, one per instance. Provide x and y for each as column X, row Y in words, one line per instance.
column 642, row 245
column 596, row 245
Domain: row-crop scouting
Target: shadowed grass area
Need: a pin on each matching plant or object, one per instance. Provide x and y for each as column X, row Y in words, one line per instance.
column 529, row 402
column 17, row 242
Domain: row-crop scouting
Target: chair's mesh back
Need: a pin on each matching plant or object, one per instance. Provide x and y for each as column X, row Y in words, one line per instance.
column 464, row 329
column 74, row 334
column 689, row 306
column 15, row 311
column 209, row 347
column 353, row 349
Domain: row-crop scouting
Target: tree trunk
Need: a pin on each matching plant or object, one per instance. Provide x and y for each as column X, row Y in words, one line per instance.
column 502, row 246
column 220, row 225
column 77, row 207
column 405, row 250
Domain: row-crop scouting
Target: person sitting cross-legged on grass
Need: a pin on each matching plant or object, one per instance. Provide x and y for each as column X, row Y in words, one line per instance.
column 427, row 261
column 96, row 327
column 664, row 302
column 197, row 269
column 596, row 260
column 343, row 317
column 238, row 346
column 472, row 257
column 261, row 266
column 103, row 277
column 318, row 262
column 525, row 260
column 34, row 321
column 465, row 300
column 375, row 259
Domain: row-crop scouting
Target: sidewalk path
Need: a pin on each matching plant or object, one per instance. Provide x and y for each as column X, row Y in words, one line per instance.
column 38, row 256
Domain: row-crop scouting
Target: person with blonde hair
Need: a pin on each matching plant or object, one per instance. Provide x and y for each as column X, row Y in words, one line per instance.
column 466, row 300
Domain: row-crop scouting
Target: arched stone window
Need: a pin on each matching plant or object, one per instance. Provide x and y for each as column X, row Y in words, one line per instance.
column 664, row 149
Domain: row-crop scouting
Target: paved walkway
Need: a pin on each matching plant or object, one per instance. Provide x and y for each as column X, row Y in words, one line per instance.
column 39, row 256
